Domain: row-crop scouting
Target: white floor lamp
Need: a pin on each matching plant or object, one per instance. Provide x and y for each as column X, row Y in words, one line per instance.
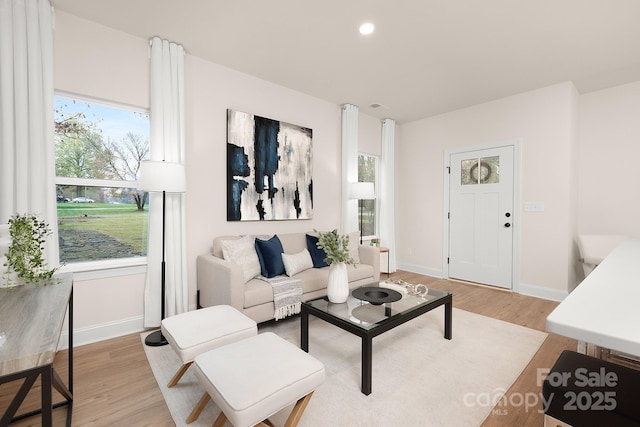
column 361, row 191
column 156, row 176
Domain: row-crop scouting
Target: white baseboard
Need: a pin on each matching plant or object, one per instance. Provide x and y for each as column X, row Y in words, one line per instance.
column 101, row 332
column 540, row 292
column 104, row 331
column 421, row 270
column 523, row 288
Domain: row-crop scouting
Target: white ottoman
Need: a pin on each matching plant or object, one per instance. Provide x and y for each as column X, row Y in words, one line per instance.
column 252, row 379
column 198, row 331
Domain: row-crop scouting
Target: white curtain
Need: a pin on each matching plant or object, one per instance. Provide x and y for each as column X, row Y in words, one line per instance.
column 349, row 166
column 27, row 161
column 386, row 191
column 167, row 143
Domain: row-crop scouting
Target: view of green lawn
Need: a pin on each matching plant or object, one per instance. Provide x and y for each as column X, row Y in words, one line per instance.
column 123, row 222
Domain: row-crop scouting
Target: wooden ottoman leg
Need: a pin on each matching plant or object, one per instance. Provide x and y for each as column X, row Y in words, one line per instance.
column 222, row 418
column 179, row 374
column 298, row 409
column 199, row 408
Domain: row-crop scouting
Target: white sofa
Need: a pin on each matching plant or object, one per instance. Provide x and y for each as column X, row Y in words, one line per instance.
column 222, row 282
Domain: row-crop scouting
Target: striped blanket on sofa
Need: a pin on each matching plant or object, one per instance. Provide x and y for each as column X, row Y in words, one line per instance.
column 287, row 295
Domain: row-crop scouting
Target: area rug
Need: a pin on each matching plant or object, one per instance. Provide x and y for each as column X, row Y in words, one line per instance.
column 419, row 378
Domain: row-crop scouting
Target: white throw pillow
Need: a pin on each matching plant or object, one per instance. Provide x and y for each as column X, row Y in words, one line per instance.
column 354, row 244
column 295, row 263
column 242, row 252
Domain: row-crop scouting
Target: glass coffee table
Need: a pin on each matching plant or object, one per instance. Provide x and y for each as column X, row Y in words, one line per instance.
column 367, row 320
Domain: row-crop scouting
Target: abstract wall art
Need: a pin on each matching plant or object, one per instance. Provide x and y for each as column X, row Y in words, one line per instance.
column 269, row 165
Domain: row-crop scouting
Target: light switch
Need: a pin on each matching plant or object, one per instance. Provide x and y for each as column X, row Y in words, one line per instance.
column 534, row 206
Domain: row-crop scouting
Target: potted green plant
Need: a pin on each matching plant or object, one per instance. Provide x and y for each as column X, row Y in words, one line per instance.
column 336, row 246
column 24, row 258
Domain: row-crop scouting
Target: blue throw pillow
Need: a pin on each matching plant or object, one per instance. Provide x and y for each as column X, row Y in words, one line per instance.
column 317, row 255
column 270, row 256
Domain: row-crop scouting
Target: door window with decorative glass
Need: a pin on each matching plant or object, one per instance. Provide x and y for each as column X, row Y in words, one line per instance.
column 98, row 150
column 485, row 170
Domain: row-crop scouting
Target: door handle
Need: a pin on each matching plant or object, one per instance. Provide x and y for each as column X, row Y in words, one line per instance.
column 507, row 225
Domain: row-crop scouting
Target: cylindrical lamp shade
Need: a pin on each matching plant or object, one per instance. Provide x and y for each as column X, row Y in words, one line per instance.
column 362, row 191
column 162, row 176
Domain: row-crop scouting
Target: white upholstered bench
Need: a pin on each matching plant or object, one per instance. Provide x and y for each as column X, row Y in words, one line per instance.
column 198, row 331
column 252, row 379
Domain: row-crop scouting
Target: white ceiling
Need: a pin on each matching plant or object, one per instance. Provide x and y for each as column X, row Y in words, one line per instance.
column 426, row 56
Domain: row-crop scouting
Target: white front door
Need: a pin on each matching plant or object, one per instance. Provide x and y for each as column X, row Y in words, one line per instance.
column 481, row 218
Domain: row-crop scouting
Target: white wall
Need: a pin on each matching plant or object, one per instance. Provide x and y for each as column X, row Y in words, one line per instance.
column 93, row 60
column 369, row 135
column 609, row 133
column 210, row 90
column 96, row 61
column 544, row 121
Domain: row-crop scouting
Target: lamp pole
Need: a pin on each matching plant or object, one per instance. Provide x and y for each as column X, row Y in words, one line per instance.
column 157, row 339
column 165, row 177
column 361, row 191
column 360, row 203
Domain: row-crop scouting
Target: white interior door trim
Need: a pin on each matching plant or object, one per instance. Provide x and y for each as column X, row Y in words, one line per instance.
column 517, row 222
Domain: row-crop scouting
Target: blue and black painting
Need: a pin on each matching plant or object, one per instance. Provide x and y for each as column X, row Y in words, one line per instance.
column 269, row 196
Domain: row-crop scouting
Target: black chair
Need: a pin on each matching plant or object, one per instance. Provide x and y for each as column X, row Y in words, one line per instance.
column 581, row 390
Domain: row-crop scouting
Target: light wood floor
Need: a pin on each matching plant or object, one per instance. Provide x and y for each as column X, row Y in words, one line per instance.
column 114, row 385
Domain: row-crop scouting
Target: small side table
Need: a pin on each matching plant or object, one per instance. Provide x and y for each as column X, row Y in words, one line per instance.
column 386, row 250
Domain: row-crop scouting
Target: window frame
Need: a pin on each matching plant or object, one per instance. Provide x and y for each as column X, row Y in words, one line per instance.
column 376, row 210
column 88, row 270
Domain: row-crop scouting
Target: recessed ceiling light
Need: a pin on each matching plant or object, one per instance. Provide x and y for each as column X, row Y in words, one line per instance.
column 367, row 28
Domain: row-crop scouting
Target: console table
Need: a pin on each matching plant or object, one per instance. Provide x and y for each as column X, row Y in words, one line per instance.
column 31, row 320
column 603, row 309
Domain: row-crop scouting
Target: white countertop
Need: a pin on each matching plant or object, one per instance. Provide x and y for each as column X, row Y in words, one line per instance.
column 605, row 308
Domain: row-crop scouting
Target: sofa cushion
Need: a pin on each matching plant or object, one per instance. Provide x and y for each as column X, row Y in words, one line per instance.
column 256, row 292
column 317, row 255
column 270, row 256
column 242, row 252
column 216, row 247
column 313, row 279
column 295, row 263
column 292, row 243
column 359, row 272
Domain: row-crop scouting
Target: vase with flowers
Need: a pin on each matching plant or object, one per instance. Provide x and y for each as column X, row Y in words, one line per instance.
column 336, row 246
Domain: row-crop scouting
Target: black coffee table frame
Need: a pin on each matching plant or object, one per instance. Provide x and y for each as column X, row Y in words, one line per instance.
column 367, row 335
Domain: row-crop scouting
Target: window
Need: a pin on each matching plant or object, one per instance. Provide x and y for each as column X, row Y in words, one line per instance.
column 367, row 209
column 98, row 150
column 480, row 171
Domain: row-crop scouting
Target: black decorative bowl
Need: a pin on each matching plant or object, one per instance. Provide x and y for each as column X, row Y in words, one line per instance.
column 376, row 295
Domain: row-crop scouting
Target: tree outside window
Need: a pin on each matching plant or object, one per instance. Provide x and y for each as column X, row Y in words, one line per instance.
column 368, row 172
column 98, row 150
